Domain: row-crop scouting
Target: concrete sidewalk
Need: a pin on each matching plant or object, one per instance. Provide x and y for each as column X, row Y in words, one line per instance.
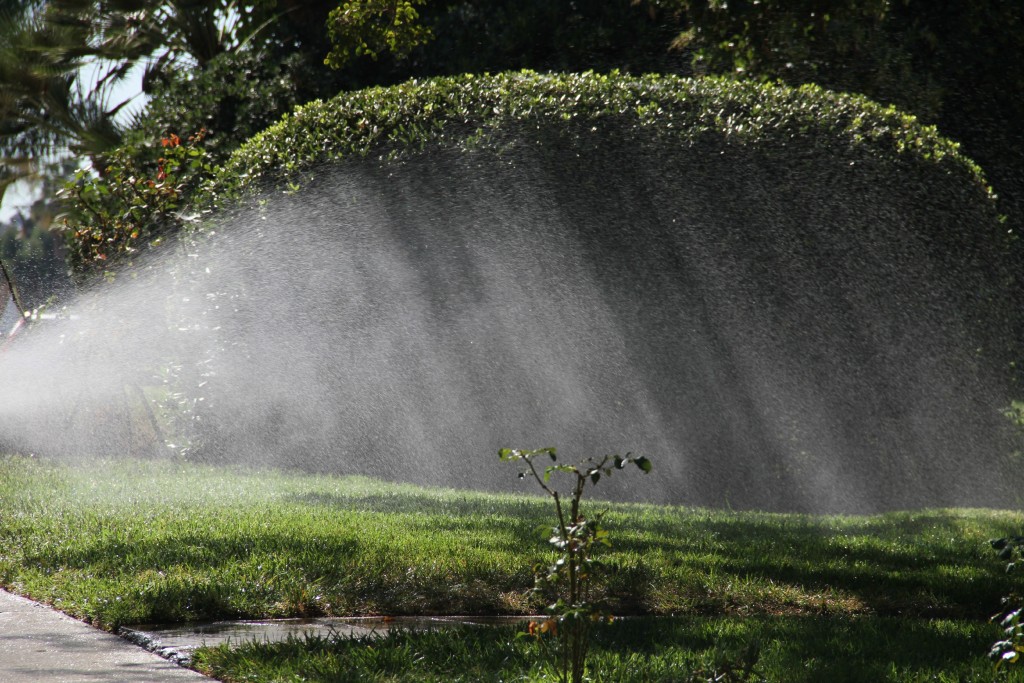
column 41, row 645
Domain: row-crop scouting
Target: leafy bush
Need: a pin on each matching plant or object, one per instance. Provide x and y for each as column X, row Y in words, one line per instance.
column 235, row 96
column 685, row 120
column 360, row 29
column 831, row 158
column 130, row 209
column 925, row 58
column 470, row 111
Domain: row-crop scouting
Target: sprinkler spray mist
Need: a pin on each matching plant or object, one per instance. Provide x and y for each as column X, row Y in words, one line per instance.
column 778, row 334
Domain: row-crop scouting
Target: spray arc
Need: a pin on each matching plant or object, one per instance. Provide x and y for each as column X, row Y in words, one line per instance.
column 785, row 319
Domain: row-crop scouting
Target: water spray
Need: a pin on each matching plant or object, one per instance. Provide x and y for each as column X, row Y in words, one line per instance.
column 786, row 323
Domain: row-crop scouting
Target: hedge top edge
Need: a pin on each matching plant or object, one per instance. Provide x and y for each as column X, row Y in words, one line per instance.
column 459, row 111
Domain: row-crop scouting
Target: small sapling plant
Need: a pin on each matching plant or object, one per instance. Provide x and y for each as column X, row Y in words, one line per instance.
column 565, row 634
column 1008, row 650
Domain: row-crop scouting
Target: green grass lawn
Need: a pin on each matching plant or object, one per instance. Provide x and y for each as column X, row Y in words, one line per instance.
column 902, row 596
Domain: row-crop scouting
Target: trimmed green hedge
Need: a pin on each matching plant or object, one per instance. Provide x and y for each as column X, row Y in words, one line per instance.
column 468, row 110
column 802, row 291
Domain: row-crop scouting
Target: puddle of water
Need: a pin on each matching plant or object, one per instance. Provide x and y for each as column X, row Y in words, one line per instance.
column 176, row 642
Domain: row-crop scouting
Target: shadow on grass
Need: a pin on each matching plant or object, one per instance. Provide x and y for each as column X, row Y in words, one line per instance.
column 793, row 650
column 923, row 565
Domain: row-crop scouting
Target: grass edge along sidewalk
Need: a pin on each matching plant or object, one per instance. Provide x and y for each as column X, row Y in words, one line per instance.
column 40, row 645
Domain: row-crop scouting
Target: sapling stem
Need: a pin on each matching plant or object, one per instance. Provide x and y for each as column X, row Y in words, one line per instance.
column 571, row 616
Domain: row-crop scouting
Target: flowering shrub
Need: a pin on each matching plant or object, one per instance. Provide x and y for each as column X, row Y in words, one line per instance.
column 129, row 207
